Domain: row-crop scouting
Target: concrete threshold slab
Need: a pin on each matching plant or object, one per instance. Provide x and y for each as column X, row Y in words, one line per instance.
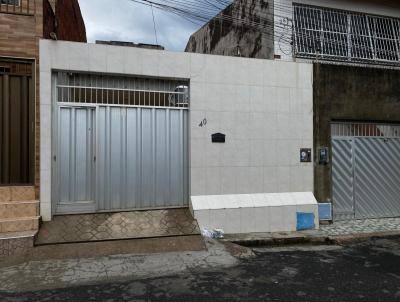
column 117, row 226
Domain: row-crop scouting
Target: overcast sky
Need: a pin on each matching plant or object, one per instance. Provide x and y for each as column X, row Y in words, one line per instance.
column 123, row 20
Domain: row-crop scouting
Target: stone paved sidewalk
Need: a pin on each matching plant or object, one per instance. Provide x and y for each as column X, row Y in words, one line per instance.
column 123, row 225
column 341, row 230
column 354, row 227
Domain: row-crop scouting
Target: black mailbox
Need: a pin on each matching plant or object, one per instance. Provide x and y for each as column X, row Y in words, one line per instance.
column 218, row 138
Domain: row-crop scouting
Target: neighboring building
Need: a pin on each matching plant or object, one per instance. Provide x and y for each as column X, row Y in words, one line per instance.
column 22, row 24
column 232, row 31
column 359, row 31
column 356, row 103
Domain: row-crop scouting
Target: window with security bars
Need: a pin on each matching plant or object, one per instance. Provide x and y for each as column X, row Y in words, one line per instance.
column 323, row 33
column 18, row 7
column 119, row 90
column 10, row 2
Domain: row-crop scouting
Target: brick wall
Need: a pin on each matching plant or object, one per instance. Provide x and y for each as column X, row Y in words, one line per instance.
column 49, row 20
column 70, row 24
column 19, row 37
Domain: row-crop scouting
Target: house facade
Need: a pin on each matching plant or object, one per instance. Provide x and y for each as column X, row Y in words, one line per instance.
column 22, row 24
column 130, row 128
column 354, row 47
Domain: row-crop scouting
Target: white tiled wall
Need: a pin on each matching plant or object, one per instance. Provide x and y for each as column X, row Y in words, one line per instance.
column 253, row 213
column 267, row 117
column 264, row 107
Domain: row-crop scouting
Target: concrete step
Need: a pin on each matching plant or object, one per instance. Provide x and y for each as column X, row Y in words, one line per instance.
column 16, row 209
column 19, row 224
column 14, row 193
column 14, row 243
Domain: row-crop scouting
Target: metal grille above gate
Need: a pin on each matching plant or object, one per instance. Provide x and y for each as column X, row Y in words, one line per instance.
column 366, row 170
column 122, row 143
column 124, row 91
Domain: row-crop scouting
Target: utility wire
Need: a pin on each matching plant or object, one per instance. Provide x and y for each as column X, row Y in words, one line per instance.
column 154, row 24
column 202, row 11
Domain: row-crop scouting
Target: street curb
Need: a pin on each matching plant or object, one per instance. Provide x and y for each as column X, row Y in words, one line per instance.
column 313, row 239
column 346, row 239
column 282, row 241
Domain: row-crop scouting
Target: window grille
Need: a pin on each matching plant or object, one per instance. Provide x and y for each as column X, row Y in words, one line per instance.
column 119, row 90
column 10, row 2
column 19, row 7
column 14, row 68
column 365, row 130
column 329, row 34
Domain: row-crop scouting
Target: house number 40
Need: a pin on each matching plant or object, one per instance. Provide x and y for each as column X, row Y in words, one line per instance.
column 203, row 123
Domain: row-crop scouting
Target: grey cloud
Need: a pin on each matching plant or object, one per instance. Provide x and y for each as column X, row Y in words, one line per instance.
column 124, row 20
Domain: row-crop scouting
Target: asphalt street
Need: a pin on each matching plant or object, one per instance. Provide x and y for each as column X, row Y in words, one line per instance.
column 368, row 271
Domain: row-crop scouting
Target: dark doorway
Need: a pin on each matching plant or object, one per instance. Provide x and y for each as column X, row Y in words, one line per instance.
column 17, row 116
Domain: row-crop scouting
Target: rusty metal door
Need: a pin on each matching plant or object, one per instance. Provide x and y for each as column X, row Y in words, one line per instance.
column 16, row 124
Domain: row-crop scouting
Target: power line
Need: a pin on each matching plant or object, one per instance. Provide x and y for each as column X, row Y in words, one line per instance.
column 154, row 24
column 203, row 11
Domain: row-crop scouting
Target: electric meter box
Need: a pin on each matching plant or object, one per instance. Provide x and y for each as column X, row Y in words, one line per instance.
column 305, row 155
column 323, row 155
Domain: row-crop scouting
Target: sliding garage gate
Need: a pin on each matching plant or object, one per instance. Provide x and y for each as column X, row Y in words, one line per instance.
column 119, row 143
column 365, row 170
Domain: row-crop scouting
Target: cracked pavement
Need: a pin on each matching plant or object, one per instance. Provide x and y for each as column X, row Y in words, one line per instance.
column 366, row 271
column 48, row 274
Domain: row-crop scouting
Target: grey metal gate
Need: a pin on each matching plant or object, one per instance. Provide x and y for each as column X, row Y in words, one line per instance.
column 365, row 170
column 142, row 158
column 342, row 178
column 120, row 148
column 377, row 177
column 75, row 159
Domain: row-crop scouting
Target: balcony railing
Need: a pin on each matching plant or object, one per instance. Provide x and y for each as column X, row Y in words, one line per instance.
column 18, row 7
